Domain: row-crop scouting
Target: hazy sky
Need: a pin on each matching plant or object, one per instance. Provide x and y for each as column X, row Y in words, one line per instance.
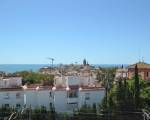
column 102, row 31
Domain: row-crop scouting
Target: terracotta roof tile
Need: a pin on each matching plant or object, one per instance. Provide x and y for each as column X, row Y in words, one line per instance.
column 141, row 65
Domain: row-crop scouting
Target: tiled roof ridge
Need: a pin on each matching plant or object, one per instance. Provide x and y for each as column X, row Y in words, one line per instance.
column 140, row 65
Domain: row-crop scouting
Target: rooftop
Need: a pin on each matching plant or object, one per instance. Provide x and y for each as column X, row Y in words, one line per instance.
column 58, row 88
column 141, row 65
column 11, row 89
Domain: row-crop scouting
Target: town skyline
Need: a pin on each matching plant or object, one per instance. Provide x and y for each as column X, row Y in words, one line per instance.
column 103, row 32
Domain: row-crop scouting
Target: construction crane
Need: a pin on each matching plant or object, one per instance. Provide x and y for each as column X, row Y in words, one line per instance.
column 52, row 61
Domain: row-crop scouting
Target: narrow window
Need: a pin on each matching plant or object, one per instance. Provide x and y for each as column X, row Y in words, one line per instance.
column 18, row 95
column 73, row 94
column 5, row 83
column 147, row 74
column 18, row 106
column 87, row 96
column 6, row 105
column 6, row 96
column 51, row 105
column 50, row 94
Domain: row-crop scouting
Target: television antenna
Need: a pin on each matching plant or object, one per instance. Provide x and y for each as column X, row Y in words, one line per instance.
column 140, row 55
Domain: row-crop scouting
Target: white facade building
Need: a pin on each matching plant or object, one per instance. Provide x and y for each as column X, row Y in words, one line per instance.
column 63, row 98
column 11, row 97
column 121, row 73
column 80, row 80
column 10, row 82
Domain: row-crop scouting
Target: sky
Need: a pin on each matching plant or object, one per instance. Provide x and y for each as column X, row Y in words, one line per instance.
column 101, row 31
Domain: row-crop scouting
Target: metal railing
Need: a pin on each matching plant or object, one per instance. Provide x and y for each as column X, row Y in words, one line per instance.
column 12, row 115
column 146, row 114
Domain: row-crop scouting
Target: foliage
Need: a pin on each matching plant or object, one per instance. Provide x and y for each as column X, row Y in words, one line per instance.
column 40, row 113
column 84, row 62
column 30, row 77
column 104, row 74
column 86, row 113
column 145, row 94
column 137, row 87
column 5, row 111
column 121, row 100
column 125, row 98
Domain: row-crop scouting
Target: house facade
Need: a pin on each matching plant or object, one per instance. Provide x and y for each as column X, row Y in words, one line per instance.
column 121, row 73
column 11, row 97
column 143, row 69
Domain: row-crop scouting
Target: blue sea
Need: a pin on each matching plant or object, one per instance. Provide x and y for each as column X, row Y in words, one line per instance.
column 11, row 68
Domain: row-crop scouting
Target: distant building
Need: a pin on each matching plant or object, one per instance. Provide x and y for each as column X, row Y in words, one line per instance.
column 49, row 70
column 10, row 82
column 79, row 79
column 121, row 73
column 143, row 69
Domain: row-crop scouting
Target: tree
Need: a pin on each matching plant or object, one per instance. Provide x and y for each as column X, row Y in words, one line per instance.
column 30, row 77
column 136, row 87
column 106, row 77
column 125, row 98
column 84, row 62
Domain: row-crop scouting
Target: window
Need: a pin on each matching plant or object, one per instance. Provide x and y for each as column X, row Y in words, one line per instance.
column 73, row 103
column 72, row 106
column 50, row 94
column 89, row 81
column 5, row 82
column 72, row 94
column 87, row 96
column 18, row 105
column 6, row 105
column 6, row 95
column 147, row 74
column 18, row 95
column 51, row 105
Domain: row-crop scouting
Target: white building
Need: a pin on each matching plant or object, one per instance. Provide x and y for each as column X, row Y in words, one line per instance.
column 63, row 98
column 11, row 97
column 10, row 82
column 67, row 99
column 121, row 73
column 80, row 80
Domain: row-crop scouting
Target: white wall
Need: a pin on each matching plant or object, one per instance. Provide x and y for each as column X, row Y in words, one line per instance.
column 72, row 80
column 60, row 81
column 38, row 98
column 119, row 75
column 60, row 101
column 11, row 82
column 94, row 97
column 12, row 100
column 44, row 98
column 75, row 80
column 31, row 98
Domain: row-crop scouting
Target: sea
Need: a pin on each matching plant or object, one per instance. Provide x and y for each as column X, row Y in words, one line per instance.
column 12, row 68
